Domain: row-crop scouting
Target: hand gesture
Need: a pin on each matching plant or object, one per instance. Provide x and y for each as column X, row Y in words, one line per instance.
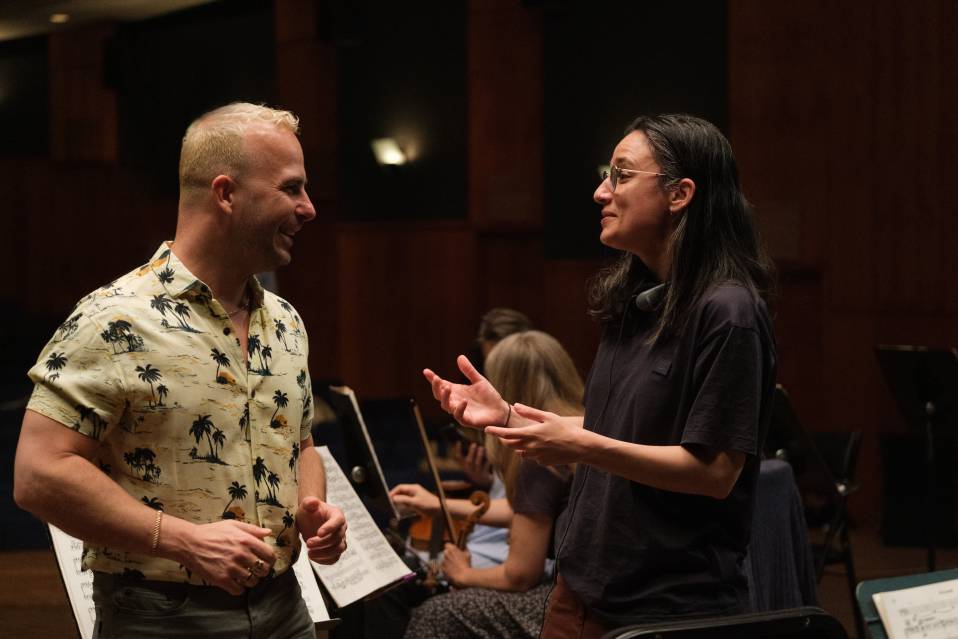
column 323, row 526
column 549, row 440
column 229, row 554
column 416, row 497
column 455, row 564
column 476, row 404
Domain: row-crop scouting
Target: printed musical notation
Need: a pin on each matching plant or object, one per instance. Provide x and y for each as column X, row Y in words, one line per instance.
column 369, row 562
column 923, row 612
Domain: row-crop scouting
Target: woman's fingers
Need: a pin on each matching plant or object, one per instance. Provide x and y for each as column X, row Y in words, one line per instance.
column 529, row 412
column 468, row 369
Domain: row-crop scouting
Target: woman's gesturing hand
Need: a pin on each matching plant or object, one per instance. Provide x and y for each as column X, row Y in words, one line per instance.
column 476, row 404
column 549, row 440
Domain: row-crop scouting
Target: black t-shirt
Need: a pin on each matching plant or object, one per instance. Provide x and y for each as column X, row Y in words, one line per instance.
column 634, row 553
column 541, row 490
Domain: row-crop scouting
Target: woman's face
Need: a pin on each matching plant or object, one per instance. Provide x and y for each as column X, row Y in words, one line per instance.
column 635, row 217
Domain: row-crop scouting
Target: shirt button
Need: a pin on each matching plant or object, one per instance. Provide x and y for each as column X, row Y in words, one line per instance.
column 227, row 330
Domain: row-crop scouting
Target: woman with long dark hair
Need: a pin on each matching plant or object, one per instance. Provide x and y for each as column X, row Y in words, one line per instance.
column 678, row 398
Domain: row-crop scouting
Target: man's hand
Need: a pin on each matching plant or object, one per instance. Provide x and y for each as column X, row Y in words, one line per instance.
column 476, row 404
column 323, row 526
column 550, row 440
column 416, row 497
column 456, row 564
column 228, row 554
column 476, row 467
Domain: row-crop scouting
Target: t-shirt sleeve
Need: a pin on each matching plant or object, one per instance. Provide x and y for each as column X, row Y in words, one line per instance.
column 540, row 490
column 726, row 410
column 76, row 380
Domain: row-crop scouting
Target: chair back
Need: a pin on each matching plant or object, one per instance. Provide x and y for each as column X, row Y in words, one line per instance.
column 795, row 623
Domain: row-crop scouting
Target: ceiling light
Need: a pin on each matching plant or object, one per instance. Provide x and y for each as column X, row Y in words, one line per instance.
column 59, row 18
column 387, row 152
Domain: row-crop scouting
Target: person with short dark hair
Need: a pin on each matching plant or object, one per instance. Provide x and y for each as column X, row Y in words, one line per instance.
column 499, row 323
column 678, row 399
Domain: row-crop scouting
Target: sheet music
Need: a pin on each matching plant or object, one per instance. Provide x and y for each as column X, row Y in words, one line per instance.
column 79, row 583
column 369, row 562
column 923, row 612
column 348, row 392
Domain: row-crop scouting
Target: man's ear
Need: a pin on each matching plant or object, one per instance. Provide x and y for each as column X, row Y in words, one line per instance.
column 223, row 188
column 680, row 195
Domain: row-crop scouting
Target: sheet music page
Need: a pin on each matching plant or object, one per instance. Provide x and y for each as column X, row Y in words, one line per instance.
column 309, row 587
column 79, row 583
column 369, row 562
column 923, row 612
column 348, row 392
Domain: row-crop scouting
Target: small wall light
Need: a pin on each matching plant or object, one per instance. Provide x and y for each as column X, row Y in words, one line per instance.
column 59, row 18
column 603, row 169
column 387, row 152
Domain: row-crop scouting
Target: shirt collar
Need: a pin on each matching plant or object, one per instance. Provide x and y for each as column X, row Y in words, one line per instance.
column 179, row 281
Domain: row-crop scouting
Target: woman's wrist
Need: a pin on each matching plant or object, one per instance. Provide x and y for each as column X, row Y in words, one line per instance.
column 508, row 418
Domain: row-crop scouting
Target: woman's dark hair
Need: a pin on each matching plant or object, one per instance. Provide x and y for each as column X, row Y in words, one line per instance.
column 714, row 241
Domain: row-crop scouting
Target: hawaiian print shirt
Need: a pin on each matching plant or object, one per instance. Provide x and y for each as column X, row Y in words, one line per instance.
column 188, row 423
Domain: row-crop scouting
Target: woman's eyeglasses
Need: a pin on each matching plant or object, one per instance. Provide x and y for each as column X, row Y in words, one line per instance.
column 614, row 173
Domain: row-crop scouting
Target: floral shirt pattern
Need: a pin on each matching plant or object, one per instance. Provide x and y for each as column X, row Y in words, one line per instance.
column 187, row 423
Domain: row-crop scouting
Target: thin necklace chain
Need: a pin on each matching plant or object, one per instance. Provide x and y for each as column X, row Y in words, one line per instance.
column 244, row 305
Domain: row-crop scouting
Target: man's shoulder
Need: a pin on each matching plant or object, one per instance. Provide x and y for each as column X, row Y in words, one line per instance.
column 128, row 293
column 279, row 307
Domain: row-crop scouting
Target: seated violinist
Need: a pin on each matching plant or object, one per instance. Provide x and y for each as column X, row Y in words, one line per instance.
column 507, row 600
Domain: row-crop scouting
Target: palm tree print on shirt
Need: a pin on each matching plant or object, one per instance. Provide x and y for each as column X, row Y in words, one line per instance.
column 221, row 359
column 236, row 491
column 261, row 473
column 56, row 362
column 254, row 346
column 215, row 438
column 244, row 421
column 281, row 333
column 85, row 413
column 68, row 328
column 141, row 460
column 293, row 458
column 288, row 522
column 152, row 502
column 178, row 310
column 281, row 401
column 162, row 391
column 149, row 375
column 121, row 332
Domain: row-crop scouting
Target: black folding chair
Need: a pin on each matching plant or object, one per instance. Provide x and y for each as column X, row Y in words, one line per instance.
column 795, row 623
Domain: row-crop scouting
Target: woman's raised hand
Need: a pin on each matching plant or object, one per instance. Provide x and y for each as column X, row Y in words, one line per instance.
column 476, row 404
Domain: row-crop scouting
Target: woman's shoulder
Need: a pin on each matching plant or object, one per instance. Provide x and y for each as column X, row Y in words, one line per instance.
column 733, row 304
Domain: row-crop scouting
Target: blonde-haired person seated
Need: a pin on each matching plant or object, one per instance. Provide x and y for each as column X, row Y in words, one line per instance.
column 508, row 600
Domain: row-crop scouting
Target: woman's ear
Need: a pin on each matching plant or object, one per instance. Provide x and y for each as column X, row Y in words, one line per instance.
column 680, row 195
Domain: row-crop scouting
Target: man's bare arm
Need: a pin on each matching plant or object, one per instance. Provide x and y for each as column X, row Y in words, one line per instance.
column 55, row 480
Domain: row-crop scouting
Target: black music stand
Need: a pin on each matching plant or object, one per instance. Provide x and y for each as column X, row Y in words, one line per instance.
column 924, row 382
column 361, row 463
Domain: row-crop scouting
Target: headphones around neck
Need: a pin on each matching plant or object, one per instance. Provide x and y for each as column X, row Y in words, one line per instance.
column 649, row 299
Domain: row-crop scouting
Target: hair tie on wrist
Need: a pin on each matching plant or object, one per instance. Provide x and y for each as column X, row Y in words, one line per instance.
column 508, row 415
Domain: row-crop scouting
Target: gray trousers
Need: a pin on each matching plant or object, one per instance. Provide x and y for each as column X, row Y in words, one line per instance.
column 126, row 607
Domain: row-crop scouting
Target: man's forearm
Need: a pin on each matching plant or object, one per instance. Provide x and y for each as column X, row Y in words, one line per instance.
column 71, row 493
column 312, row 474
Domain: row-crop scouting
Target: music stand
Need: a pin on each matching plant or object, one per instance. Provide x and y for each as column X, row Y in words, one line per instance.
column 361, row 463
column 924, row 382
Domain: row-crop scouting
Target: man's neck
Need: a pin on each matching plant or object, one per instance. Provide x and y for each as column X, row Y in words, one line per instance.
column 214, row 269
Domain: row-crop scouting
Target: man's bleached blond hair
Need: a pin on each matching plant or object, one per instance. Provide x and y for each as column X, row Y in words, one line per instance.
column 213, row 143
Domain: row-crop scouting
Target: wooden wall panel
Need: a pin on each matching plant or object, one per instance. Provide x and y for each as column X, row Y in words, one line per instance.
column 848, row 112
column 407, row 300
column 505, row 114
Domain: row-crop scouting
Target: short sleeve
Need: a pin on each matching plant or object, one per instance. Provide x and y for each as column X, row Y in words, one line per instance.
column 76, row 381
column 306, row 426
column 540, row 490
column 728, row 375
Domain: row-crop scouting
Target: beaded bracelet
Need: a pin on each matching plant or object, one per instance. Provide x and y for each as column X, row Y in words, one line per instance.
column 156, row 532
